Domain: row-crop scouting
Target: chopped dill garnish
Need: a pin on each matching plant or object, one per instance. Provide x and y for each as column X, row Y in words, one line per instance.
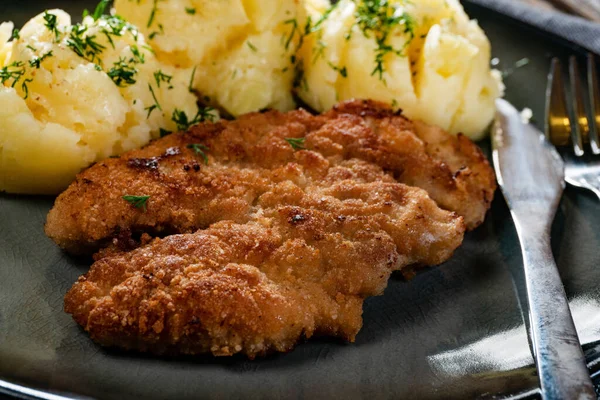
column 153, row 13
column 160, row 76
column 99, row 11
column 13, row 71
column 190, row 10
column 30, row 47
column 252, row 47
column 25, row 88
column 83, row 45
column 322, row 19
column 156, row 104
column 122, row 73
column 138, row 56
column 163, row 132
column 160, row 31
column 299, row 81
column 137, row 201
column 380, row 18
column 191, row 85
column 342, row 71
column 113, row 25
column 296, row 143
column 319, row 51
column 15, row 34
column 36, row 62
column 51, row 22
column 294, row 24
column 183, row 122
column 200, row 150
column 150, row 49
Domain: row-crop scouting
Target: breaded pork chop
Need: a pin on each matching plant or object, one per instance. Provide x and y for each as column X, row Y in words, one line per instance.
column 219, row 171
column 318, row 241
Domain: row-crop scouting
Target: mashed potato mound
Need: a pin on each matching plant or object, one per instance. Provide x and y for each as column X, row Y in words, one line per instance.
column 425, row 57
column 75, row 94
column 243, row 49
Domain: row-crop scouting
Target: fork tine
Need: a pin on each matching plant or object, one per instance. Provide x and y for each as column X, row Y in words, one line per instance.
column 558, row 126
column 578, row 115
column 594, row 114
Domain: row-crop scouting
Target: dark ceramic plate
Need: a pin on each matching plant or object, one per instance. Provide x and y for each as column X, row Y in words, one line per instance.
column 457, row 331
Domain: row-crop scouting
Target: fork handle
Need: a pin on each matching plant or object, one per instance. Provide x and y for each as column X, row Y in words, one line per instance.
column 561, row 365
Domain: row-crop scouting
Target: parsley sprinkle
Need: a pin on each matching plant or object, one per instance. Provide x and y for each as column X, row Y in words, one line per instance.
column 137, row 201
column 190, row 10
column 51, row 22
column 30, row 47
column 199, row 149
column 252, row 47
column 296, row 143
column 15, row 35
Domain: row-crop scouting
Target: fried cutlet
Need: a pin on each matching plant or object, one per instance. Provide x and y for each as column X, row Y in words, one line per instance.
column 219, row 171
column 312, row 238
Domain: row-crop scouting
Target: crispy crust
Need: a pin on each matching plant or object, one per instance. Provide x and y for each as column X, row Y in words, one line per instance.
column 248, row 155
column 269, row 244
column 303, row 264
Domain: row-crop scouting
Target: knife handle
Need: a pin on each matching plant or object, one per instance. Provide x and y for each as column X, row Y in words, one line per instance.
column 561, row 364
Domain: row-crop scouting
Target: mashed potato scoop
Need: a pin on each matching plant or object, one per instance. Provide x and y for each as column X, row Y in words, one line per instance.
column 75, row 94
column 425, row 57
column 244, row 50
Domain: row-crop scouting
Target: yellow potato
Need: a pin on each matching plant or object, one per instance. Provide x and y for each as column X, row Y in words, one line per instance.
column 78, row 94
column 186, row 32
column 435, row 68
column 243, row 49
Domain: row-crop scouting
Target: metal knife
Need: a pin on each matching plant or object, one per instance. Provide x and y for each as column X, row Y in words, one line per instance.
column 531, row 175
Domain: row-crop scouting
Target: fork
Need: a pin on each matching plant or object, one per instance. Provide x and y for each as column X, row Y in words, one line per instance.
column 576, row 121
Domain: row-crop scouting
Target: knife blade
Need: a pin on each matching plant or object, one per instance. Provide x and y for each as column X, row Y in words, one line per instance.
column 530, row 173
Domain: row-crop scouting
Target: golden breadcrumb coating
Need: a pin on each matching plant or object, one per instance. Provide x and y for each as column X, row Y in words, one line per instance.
column 246, row 157
column 316, row 243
